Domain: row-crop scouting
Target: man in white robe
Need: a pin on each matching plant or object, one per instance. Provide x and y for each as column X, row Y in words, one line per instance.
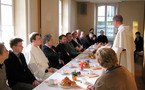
column 124, row 44
column 36, row 60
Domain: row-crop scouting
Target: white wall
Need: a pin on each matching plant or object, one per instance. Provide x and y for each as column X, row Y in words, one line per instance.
column 50, row 18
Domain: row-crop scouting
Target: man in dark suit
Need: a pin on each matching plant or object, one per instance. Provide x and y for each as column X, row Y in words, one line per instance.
column 63, row 54
column 69, row 46
column 138, row 42
column 89, row 40
column 18, row 74
column 75, row 41
column 51, row 52
column 78, row 37
column 102, row 38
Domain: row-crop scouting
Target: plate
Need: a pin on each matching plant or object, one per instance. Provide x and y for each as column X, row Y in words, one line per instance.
column 64, row 86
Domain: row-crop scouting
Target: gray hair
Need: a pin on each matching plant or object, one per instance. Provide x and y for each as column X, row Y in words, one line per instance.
column 47, row 38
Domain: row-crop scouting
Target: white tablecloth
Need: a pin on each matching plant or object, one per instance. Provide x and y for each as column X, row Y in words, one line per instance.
column 59, row 76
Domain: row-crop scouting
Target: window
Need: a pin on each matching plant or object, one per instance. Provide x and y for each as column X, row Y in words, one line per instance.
column 105, row 20
column 6, row 21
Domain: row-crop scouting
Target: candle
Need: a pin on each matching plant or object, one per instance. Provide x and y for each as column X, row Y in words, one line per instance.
column 82, row 63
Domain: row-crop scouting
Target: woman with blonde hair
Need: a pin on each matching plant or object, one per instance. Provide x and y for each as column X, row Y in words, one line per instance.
column 115, row 77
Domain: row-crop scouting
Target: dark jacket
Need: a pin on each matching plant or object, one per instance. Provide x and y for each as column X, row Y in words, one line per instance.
column 103, row 39
column 88, row 42
column 17, row 72
column 79, row 41
column 71, row 50
column 52, row 57
column 139, row 44
column 75, row 44
column 63, row 54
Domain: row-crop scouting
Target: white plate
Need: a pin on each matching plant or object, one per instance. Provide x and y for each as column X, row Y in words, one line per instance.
column 64, row 87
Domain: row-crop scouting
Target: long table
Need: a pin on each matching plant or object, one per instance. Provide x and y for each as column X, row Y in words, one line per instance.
column 58, row 76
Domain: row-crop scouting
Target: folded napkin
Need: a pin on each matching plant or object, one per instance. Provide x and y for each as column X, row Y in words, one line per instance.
column 93, row 68
column 66, row 65
column 91, row 76
column 59, row 71
column 73, row 60
column 81, row 87
column 96, row 61
column 55, row 80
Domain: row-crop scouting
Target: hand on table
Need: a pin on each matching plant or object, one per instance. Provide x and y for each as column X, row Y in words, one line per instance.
column 51, row 70
column 35, row 83
column 90, row 87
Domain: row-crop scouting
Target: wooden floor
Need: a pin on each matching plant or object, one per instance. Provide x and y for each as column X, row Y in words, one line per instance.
column 138, row 74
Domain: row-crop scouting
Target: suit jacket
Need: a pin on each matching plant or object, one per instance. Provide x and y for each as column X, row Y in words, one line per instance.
column 139, row 44
column 88, row 42
column 17, row 72
column 52, row 57
column 79, row 41
column 63, row 54
column 71, row 50
column 75, row 44
column 116, row 79
column 3, row 85
column 103, row 39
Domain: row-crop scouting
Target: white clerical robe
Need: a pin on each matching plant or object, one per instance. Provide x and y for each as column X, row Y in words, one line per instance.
column 37, row 62
column 124, row 47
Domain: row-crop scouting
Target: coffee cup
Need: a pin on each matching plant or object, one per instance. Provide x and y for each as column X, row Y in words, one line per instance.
column 51, row 82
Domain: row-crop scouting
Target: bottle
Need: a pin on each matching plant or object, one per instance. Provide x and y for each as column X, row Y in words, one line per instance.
column 82, row 63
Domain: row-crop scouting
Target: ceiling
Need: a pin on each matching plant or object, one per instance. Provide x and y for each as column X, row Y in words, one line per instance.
column 106, row 0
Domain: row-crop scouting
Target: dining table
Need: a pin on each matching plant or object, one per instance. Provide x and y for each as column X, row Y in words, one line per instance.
column 87, row 76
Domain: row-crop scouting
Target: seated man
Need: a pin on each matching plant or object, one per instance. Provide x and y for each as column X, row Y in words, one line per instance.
column 3, row 57
column 75, row 41
column 36, row 60
column 102, row 38
column 63, row 54
column 69, row 46
column 50, row 52
column 115, row 77
column 78, row 36
column 18, row 74
column 89, row 40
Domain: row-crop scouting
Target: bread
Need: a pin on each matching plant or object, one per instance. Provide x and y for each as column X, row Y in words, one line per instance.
column 66, row 82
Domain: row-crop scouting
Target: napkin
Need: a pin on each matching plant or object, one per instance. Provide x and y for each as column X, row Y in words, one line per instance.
column 96, row 61
column 66, row 65
column 55, row 80
column 93, row 68
column 81, row 87
column 91, row 76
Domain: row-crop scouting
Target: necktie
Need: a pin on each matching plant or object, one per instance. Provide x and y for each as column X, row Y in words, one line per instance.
column 55, row 52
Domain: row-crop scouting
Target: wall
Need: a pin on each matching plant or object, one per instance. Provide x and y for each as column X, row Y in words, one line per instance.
column 50, row 18
column 132, row 11
column 20, row 20
column 32, row 16
column 85, row 22
column 73, row 16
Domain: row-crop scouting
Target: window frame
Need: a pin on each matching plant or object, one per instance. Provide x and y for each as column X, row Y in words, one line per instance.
column 13, row 18
column 96, row 17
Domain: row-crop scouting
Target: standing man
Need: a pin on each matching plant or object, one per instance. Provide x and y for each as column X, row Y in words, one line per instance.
column 18, row 74
column 124, row 44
